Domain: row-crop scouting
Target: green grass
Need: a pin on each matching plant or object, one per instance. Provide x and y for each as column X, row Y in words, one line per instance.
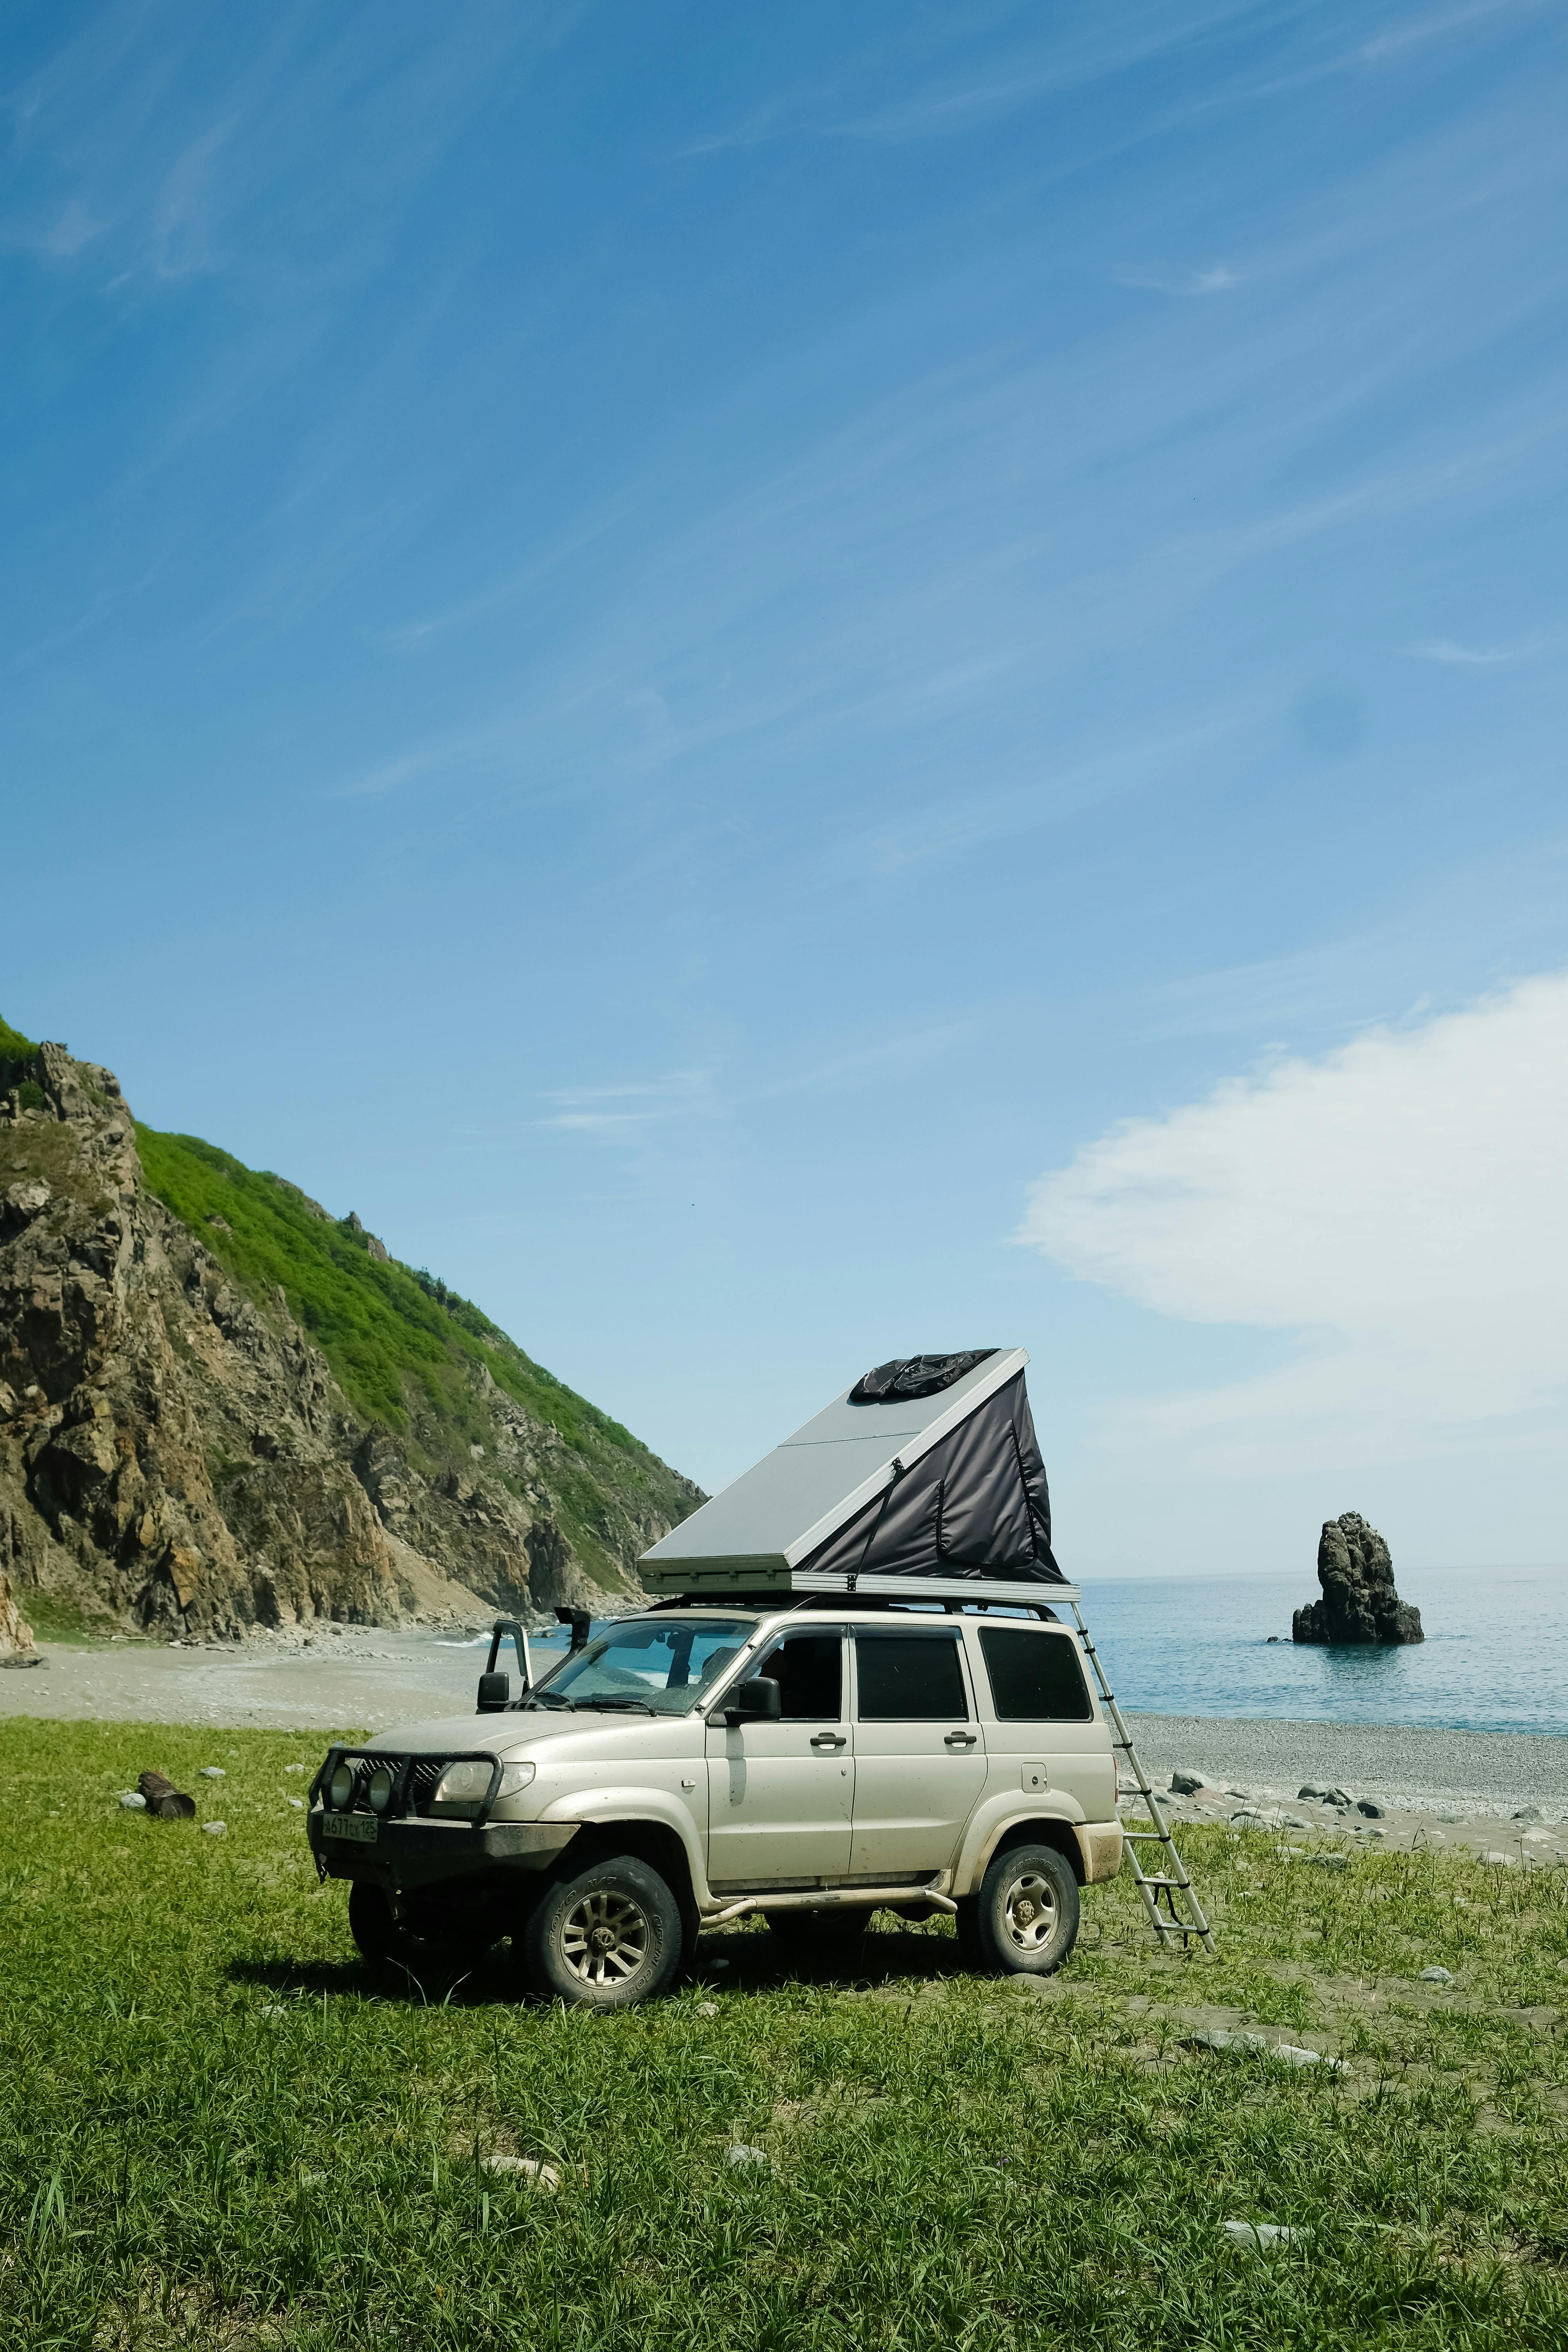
column 383, row 1327
column 955, row 2164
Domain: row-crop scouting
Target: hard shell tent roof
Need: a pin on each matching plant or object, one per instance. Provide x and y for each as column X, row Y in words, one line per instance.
column 925, row 1476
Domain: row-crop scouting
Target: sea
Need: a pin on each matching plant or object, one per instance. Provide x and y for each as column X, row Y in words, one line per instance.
column 1495, row 1657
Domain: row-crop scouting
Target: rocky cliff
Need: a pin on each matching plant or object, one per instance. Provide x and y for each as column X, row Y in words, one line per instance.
column 221, row 1407
column 1359, row 1602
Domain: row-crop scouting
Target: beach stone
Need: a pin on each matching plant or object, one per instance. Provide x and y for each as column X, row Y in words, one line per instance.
column 1372, row 1812
column 706, row 2009
column 298, row 1803
column 741, row 2154
column 1249, row 1820
column 1435, row 1976
column 272, row 2009
column 1526, row 1814
column 1359, row 1602
column 1257, row 2237
column 528, row 2170
column 213, row 1772
column 293, row 1767
column 1220, row 2037
column 215, row 1829
column 132, row 1802
column 1187, row 1784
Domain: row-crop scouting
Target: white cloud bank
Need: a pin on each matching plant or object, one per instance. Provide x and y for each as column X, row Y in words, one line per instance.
column 1398, row 1206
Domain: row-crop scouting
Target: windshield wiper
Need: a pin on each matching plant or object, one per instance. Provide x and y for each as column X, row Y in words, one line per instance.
column 589, row 1705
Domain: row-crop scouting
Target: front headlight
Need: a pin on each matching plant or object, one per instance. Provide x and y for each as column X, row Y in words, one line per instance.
column 340, row 1787
column 380, row 1789
column 464, row 1785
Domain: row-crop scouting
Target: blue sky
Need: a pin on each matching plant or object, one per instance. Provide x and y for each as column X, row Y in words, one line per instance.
column 681, row 650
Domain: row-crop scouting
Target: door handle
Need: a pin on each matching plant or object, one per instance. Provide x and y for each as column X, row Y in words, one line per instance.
column 959, row 1739
column 828, row 1739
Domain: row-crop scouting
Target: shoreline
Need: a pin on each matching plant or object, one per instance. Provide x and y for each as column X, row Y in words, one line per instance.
column 374, row 1677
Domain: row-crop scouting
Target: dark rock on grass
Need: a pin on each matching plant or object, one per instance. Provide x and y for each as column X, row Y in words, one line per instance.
column 1359, row 1602
column 165, row 1802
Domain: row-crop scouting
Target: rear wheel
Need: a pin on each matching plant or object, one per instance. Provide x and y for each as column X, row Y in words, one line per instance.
column 1025, row 1918
column 606, row 1938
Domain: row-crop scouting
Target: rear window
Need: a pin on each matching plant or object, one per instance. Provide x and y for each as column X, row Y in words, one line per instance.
column 1034, row 1677
column 909, row 1678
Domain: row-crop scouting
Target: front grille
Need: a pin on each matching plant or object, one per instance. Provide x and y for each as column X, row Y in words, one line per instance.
column 417, row 1776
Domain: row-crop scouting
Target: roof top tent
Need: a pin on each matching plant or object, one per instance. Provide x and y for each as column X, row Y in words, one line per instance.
column 922, row 1481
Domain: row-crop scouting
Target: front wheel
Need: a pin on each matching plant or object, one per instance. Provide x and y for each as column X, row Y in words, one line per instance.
column 605, row 1938
column 1025, row 1918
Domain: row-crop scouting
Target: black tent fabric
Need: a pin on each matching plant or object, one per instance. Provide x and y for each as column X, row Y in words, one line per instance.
column 975, row 1504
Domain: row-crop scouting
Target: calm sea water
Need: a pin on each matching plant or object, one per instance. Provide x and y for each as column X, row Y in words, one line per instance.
column 1495, row 1657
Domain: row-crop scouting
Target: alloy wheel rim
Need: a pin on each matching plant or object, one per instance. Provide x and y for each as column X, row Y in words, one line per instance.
column 1030, row 1912
column 604, row 1938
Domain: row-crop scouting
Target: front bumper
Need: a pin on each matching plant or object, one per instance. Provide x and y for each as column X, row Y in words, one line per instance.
column 409, row 1853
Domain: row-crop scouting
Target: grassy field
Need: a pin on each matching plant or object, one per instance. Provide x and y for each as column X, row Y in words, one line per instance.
column 216, row 2133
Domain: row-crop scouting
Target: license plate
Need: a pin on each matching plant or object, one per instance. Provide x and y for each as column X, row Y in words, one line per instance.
column 361, row 1827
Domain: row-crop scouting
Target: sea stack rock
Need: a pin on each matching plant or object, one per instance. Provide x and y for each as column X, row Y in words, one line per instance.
column 1359, row 1602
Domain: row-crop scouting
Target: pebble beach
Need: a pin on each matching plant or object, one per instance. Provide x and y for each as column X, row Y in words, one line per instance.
column 1501, row 1793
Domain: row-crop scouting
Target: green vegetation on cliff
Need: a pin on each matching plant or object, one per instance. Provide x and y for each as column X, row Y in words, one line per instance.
column 403, row 1348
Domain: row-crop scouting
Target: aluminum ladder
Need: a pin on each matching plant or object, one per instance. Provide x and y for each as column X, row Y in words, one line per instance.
column 1183, row 1913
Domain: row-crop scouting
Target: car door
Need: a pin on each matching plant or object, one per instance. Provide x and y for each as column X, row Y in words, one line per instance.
column 919, row 1756
column 1041, row 1730
column 781, row 1795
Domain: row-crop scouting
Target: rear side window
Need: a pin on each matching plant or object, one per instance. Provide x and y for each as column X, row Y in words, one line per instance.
column 1034, row 1677
column 909, row 1678
column 809, row 1671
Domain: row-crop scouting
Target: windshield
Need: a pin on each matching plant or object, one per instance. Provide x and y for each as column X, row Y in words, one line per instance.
column 642, row 1664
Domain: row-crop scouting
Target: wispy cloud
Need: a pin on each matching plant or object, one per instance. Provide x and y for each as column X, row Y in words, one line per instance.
column 1445, row 649
column 624, row 1111
column 1216, row 280
column 1417, row 32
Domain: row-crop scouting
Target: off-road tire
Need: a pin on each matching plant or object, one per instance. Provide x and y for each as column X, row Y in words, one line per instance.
column 828, row 1932
column 966, row 1932
column 604, row 1936
column 1026, row 1913
column 397, row 1954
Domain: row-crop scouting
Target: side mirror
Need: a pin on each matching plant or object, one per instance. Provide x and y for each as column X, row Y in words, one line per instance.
column 581, row 1623
column 758, row 1701
column 495, row 1693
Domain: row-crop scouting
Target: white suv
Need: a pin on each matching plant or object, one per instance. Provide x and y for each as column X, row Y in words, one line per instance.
column 814, row 1762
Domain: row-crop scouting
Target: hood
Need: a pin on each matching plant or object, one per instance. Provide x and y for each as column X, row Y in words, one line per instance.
column 510, row 1734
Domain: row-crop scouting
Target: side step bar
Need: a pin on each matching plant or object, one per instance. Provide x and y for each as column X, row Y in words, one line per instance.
column 830, row 1898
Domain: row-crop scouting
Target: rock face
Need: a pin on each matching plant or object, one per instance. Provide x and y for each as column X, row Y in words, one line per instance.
column 15, row 1638
column 1359, row 1602
column 177, row 1453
